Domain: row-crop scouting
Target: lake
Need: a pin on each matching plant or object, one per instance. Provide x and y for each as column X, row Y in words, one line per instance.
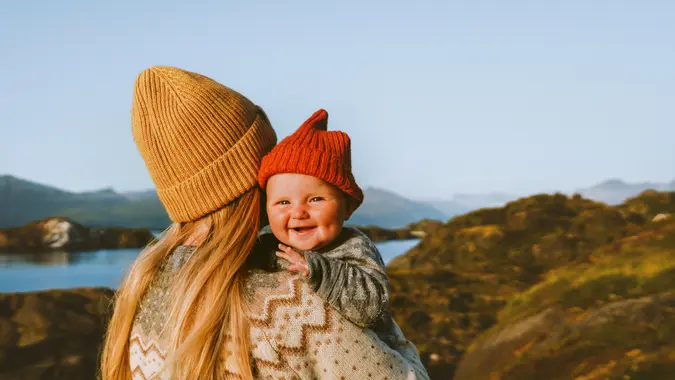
column 29, row 272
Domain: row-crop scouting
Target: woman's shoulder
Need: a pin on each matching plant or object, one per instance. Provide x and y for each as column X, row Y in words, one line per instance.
column 269, row 291
column 292, row 327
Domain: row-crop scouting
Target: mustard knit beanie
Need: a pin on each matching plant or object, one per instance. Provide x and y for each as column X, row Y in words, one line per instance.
column 201, row 141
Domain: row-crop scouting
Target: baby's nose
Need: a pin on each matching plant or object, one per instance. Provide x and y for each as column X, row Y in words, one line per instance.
column 299, row 211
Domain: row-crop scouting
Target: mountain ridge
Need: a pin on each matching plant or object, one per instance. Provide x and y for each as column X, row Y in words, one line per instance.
column 614, row 191
column 23, row 201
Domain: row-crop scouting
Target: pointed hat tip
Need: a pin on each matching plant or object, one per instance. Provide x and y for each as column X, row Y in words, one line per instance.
column 318, row 120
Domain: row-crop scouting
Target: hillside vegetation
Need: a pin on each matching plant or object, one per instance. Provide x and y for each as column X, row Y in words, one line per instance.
column 546, row 287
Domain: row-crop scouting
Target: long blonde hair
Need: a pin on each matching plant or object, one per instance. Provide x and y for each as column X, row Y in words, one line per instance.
column 208, row 307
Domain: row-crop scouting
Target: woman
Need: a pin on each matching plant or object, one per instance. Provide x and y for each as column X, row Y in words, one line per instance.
column 199, row 303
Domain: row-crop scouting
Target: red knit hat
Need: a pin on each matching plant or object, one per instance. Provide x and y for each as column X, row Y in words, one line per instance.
column 314, row 151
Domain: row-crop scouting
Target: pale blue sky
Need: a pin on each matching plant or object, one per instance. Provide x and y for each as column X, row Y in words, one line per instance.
column 438, row 97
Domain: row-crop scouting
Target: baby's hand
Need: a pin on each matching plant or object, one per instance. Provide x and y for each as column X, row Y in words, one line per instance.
column 297, row 260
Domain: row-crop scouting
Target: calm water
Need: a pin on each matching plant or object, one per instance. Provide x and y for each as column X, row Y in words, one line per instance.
column 20, row 273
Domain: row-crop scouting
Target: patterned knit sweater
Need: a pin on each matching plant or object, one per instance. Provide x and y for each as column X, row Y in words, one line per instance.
column 294, row 333
column 350, row 275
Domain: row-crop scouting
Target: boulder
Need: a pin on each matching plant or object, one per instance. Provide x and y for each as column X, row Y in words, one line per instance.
column 660, row 217
column 631, row 337
column 53, row 334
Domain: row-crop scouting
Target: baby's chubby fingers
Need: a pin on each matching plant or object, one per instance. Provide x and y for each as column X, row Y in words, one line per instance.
column 290, row 252
column 283, row 255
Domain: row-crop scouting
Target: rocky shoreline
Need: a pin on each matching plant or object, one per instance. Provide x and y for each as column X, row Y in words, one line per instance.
column 416, row 230
column 63, row 234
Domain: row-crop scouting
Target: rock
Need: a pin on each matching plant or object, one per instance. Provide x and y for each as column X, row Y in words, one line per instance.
column 543, row 345
column 424, row 226
column 26, row 315
column 62, row 234
column 378, row 234
column 7, row 335
column 631, row 311
column 497, row 349
column 418, row 234
column 29, row 336
column 53, row 334
column 416, row 230
column 59, row 233
column 660, row 217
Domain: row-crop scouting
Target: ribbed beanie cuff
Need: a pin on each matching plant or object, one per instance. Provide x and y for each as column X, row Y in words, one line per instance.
column 224, row 180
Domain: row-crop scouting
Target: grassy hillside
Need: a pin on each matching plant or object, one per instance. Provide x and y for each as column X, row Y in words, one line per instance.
column 609, row 317
column 486, row 289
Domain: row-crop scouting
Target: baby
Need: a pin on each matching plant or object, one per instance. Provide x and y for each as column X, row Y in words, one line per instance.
column 310, row 193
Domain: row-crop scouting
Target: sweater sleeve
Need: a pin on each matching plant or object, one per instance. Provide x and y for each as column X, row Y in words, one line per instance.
column 351, row 277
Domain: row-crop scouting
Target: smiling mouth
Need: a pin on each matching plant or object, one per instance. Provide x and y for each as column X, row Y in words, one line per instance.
column 302, row 229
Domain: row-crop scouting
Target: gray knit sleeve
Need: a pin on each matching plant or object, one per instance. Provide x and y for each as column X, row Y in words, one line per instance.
column 351, row 277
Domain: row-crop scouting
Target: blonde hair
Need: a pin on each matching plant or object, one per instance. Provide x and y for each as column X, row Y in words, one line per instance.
column 208, row 307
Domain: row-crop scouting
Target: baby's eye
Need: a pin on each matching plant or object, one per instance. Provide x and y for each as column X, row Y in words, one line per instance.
column 284, row 202
column 316, row 199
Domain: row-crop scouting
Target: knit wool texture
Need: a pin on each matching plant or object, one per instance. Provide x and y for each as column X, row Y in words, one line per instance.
column 313, row 150
column 202, row 142
column 293, row 334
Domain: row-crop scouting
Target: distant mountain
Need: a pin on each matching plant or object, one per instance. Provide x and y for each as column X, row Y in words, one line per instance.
column 449, row 208
column 477, row 201
column 462, row 203
column 24, row 201
column 104, row 194
column 138, row 195
column 615, row 191
column 387, row 209
column 611, row 192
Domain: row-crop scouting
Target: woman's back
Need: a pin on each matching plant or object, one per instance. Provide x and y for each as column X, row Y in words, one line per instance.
column 293, row 333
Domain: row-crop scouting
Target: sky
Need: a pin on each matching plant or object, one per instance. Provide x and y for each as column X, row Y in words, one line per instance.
column 439, row 97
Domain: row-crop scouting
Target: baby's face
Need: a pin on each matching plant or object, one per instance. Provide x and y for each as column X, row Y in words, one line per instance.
column 305, row 212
